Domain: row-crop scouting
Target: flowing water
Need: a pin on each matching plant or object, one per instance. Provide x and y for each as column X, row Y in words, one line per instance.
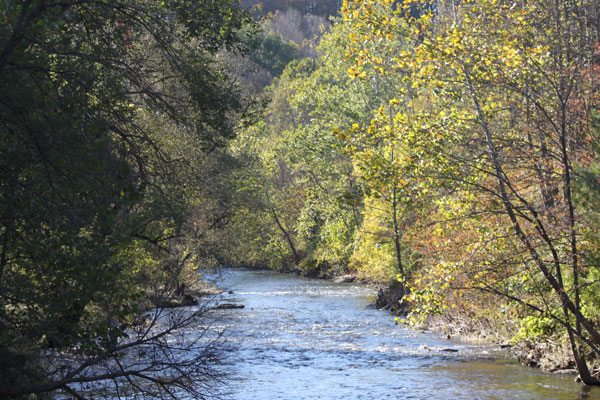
column 307, row 339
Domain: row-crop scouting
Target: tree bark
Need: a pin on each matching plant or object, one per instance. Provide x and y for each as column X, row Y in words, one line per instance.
column 397, row 247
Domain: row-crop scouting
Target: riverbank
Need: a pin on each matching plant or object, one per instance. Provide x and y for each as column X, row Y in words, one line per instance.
column 302, row 339
column 550, row 354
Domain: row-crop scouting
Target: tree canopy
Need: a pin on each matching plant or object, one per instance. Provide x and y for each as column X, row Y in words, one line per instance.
column 112, row 114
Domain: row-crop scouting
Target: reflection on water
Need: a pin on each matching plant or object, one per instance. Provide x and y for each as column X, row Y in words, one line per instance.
column 309, row 339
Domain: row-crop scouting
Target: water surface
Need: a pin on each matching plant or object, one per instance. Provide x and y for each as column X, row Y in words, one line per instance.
column 309, row 339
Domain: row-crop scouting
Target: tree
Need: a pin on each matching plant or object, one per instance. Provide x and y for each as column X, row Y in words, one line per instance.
column 110, row 113
column 381, row 149
column 306, row 199
column 506, row 157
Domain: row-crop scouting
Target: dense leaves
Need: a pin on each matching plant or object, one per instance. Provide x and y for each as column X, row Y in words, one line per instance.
column 496, row 113
column 111, row 116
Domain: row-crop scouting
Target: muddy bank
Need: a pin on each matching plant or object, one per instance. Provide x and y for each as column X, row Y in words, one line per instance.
column 550, row 354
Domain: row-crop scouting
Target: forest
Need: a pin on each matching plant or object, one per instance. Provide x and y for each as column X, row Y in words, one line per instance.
column 444, row 150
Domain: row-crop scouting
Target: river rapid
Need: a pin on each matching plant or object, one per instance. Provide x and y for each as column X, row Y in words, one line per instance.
column 298, row 339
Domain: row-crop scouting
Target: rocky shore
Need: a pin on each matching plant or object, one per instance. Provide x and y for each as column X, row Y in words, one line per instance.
column 548, row 354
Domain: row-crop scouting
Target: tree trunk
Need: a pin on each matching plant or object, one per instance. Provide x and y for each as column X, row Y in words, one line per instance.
column 397, row 247
column 396, row 225
column 287, row 237
column 284, row 231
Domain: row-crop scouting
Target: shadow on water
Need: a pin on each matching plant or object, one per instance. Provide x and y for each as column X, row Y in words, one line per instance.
column 307, row 339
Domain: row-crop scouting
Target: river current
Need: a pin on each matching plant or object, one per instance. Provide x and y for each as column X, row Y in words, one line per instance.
column 299, row 339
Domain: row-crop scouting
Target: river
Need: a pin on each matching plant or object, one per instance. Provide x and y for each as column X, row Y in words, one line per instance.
column 299, row 339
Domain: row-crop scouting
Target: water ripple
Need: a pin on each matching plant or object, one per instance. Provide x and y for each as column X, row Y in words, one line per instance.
column 307, row 339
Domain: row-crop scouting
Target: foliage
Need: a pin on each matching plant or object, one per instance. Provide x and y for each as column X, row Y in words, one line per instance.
column 111, row 115
column 494, row 121
column 450, row 147
column 273, row 54
column 533, row 328
column 306, row 199
column 373, row 256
